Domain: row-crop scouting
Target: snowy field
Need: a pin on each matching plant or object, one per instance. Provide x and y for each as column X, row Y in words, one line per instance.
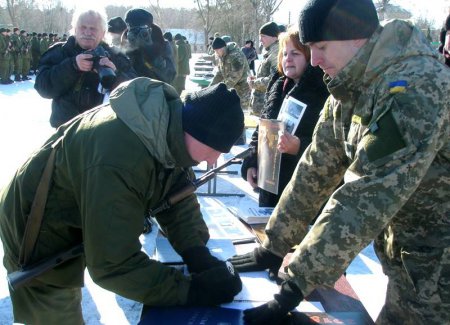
column 24, row 127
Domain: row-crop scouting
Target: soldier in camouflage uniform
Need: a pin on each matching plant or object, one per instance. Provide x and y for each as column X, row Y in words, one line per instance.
column 385, row 131
column 26, row 55
column 44, row 43
column 268, row 36
column 16, row 53
column 4, row 58
column 35, row 52
column 233, row 69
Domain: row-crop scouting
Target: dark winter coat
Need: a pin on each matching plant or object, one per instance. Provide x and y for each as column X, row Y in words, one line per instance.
column 154, row 61
column 74, row 91
column 113, row 164
column 310, row 90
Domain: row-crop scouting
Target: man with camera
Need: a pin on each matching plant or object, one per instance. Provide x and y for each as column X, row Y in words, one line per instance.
column 78, row 73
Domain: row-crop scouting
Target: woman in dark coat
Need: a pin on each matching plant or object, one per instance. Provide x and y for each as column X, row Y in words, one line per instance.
column 296, row 78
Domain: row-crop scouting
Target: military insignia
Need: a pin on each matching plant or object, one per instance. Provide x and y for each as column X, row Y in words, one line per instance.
column 398, row 86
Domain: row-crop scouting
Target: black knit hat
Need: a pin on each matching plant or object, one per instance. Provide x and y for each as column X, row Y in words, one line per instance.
column 270, row 29
column 116, row 25
column 2, row 30
column 177, row 37
column 334, row 20
column 214, row 116
column 168, row 36
column 218, row 43
column 138, row 17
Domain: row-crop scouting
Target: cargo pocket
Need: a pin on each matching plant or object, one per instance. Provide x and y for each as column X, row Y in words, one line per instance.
column 428, row 272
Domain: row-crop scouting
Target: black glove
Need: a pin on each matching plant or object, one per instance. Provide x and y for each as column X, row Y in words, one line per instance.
column 258, row 260
column 275, row 310
column 199, row 259
column 215, row 286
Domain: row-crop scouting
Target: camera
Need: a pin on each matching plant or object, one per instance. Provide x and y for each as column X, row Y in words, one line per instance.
column 139, row 36
column 106, row 74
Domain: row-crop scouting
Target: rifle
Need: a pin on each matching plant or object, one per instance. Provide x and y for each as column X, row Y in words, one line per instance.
column 191, row 187
column 21, row 277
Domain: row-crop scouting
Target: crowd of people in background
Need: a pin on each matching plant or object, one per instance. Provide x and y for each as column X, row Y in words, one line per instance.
column 20, row 52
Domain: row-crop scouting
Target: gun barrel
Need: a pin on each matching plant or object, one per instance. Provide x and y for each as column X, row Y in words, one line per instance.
column 19, row 278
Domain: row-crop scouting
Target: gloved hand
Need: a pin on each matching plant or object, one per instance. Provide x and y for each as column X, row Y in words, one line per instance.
column 258, row 260
column 274, row 311
column 199, row 259
column 215, row 286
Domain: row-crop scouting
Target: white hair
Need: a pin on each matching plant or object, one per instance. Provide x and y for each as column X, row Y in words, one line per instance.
column 82, row 12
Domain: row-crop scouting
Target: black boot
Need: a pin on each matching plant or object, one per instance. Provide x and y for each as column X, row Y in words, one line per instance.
column 25, row 78
column 17, row 78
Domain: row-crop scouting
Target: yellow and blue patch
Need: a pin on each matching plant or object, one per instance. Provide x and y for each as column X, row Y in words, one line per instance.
column 398, row 86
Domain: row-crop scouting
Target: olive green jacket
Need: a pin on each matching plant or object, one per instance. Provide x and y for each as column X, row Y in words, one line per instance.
column 113, row 164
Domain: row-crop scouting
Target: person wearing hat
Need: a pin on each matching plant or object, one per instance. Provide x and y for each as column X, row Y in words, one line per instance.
column 149, row 52
column 268, row 36
column 44, row 43
column 16, row 53
column 233, row 70
column 26, row 55
column 385, row 133
column 116, row 28
column 112, row 165
column 4, row 58
column 182, row 63
column 79, row 74
column 35, row 52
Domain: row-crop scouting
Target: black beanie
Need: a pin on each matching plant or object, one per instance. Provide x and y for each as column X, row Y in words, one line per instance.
column 138, row 17
column 168, row 36
column 270, row 29
column 178, row 37
column 116, row 25
column 337, row 20
column 218, row 43
column 214, row 116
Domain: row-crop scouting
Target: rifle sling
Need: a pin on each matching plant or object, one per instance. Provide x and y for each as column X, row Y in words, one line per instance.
column 34, row 220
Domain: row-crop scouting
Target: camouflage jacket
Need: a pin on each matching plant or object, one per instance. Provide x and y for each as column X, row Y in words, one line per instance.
column 233, row 70
column 267, row 68
column 385, row 131
column 3, row 45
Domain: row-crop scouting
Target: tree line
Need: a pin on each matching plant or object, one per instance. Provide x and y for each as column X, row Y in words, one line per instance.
column 240, row 19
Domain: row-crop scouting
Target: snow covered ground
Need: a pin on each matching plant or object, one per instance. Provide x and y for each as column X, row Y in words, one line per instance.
column 24, row 126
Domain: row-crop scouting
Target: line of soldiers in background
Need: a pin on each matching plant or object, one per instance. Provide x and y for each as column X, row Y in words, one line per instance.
column 20, row 52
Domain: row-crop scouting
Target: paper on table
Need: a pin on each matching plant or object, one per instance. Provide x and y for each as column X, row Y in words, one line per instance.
column 258, row 289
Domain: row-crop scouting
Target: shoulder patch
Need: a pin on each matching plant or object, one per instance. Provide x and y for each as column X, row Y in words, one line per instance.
column 398, row 86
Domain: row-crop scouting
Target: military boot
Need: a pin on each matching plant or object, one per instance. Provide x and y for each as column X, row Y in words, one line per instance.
column 17, row 77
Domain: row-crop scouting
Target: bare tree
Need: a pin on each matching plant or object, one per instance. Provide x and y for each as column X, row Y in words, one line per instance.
column 208, row 11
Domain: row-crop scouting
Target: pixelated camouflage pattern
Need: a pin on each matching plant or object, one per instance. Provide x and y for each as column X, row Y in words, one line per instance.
column 233, row 70
column 267, row 67
column 392, row 149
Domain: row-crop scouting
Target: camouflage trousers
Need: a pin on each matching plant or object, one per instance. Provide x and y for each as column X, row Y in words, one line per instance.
column 418, row 290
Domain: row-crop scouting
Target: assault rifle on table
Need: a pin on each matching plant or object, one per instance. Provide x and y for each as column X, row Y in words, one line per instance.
column 19, row 278
column 191, row 187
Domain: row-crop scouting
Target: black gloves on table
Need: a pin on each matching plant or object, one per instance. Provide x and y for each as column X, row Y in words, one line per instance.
column 258, row 260
column 215, row 286
column 199, row 259
column 274, row 311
